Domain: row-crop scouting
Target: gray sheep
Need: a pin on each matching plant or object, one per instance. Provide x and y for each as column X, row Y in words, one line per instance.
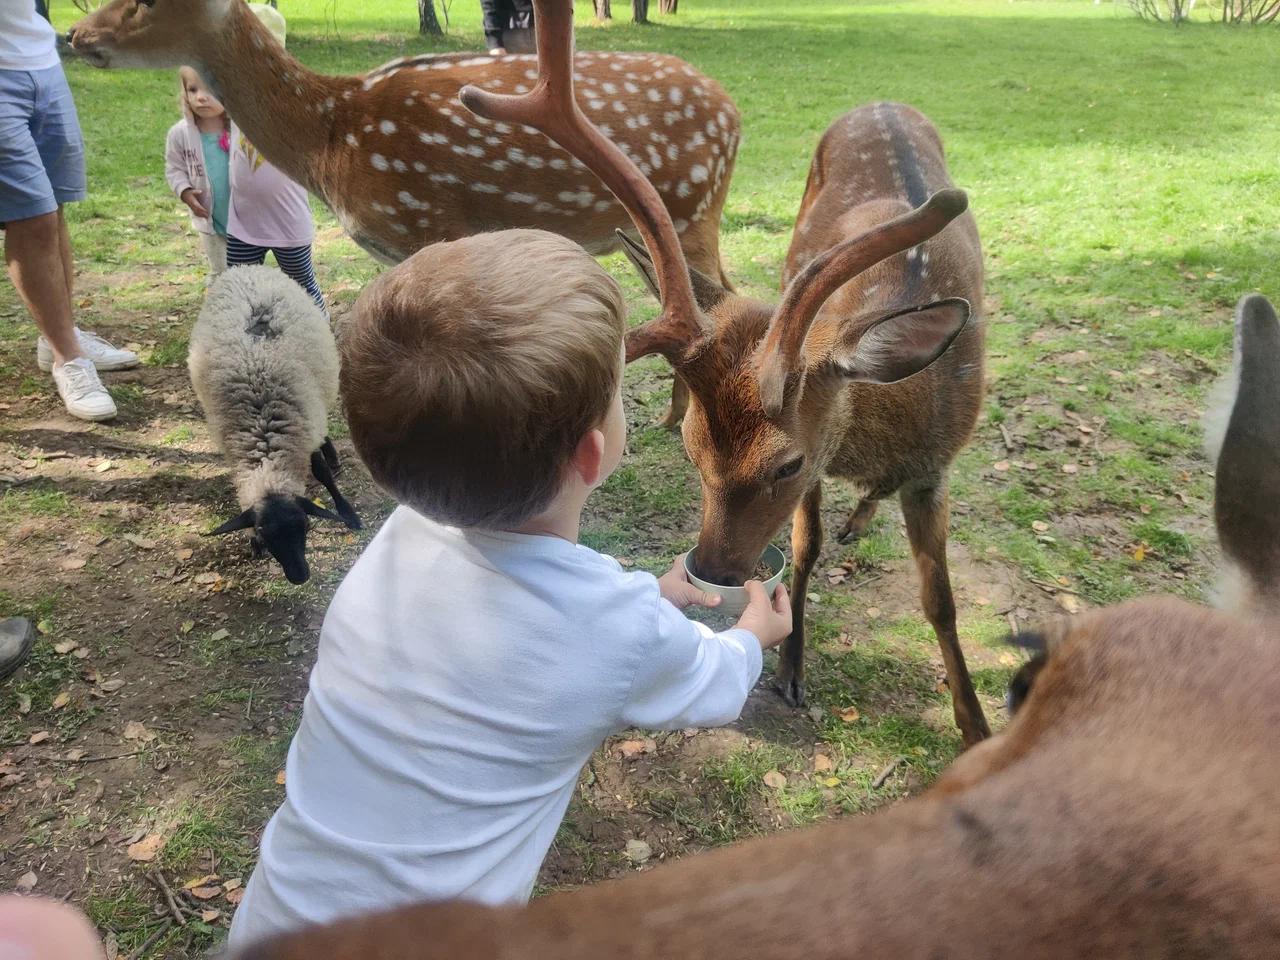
column 265, row 369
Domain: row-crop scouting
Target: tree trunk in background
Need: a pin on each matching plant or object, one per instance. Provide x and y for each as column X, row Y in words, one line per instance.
column 668, row 6
column 602, row 9
column 42, row 9
column 640, row 11
column 427, row 22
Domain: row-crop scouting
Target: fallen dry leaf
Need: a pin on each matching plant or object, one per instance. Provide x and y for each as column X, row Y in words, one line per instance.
column 847, row 714
column 1070, row 468
column 1139, row 554
column 61, row 700
column 200, row 893
column 1068, row 602
column 831, row 782
column 206, row 880
column 774, row 780
column 1145, row 508
column 233, row 884
column 822, row 763
column 111, row 686
column 208, row 916
column 142, row 543
column 27, row 882
column 66, row 646
column 235, row 896
column 146, row 849
column 188, row 626
column 873, row 612
column 75, row 754
column 982, row 601
column 75, row 563
column 103, row 467
column 133, row 730
column 1008, row 659
column 1001, row 465
column 80, row 653
column 633, row 748
column 210, row 577
column 220, row 635
column 24, row 703
column 40, row 737
column 1039, row 526
column 280, row 778
column 184, row 554
column 111, row 947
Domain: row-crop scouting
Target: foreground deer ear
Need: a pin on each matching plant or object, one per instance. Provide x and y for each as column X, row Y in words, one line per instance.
column 903, row 343
column 241, row 522
column 311, row 508
column 706, row 291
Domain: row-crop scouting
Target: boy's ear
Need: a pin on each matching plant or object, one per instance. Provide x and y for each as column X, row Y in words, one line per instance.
column 588, row 458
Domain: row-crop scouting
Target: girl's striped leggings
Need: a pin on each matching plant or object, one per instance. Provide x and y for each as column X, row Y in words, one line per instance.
column 295, row 262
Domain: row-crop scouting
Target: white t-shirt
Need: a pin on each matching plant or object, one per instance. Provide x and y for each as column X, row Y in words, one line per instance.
column 27, row 42
column 462, row 682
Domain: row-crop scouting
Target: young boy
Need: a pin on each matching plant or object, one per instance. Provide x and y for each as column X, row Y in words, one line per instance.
column 477, row 654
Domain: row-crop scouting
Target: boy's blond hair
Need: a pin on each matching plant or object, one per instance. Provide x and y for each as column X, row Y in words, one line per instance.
column 471, row 371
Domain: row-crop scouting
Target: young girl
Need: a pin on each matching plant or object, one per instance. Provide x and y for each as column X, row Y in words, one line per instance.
column 197, row 165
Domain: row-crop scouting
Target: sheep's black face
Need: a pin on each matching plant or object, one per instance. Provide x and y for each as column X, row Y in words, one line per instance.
column 282, row 524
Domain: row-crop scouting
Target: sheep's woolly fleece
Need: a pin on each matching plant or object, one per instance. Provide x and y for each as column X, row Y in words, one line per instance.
column 265, row 369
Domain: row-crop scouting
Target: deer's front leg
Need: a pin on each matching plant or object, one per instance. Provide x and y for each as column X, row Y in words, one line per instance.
column 806, row 542
column 679, row 404
column 925, row 510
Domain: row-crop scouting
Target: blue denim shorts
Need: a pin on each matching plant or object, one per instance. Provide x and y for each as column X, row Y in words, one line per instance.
column 41, row 150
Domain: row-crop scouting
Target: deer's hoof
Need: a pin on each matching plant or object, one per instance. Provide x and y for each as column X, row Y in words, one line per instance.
column 792, row 691
column 669, row 420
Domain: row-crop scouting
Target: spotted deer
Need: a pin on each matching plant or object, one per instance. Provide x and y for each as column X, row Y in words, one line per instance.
column 1126, row 810
column 869, row 369
column 401, row 164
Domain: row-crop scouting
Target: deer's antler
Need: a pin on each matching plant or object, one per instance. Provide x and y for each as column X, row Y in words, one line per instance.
column 552, row 108
column 782, row 354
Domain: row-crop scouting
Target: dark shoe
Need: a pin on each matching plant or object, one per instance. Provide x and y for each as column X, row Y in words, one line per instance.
column 17, row 637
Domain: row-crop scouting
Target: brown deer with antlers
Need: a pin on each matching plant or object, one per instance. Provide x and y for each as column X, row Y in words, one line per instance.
column 1127, row 810
column 882, row 387
column 399, row 161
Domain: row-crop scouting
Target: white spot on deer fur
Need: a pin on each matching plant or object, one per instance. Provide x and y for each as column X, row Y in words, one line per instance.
column 435, row 96
column 485, row 188
column 520, row 198
column 521, row 88
column 645, row 168
column 297, row 91
column 399, row 228
column 330, row 103
column 368, row 128
column 498, row 165
column 615, row 66
column 493, row 141
column 675, row 95
column 654, row 157
column 688, row 111
column 712, row 129
column 387, row 126
column 609, row 88
column 346, row 94
column 474, row 132
column 457, row 121
column 698, row 174
column 644, row 119
column 632, row 123
column 501, row 128
column 557, row 163
column 665, row 188
column 606, row 129
column 542, row 207
column 531, row 131
column 475, row 150
column 655, row 94
column 399, row 166
column 596, row 104
column 671, row 118
column 535, row 163
column 602, row 205
column 715, row 149
column 419, row 166
column 475, row 62
column 493, row 84
column 531, row 74
column 695, row 141
column 439, row 138
column 698, row 91
column 412, row 202
column 352, row 141
column 379, row 161
column 619, row 106
column 681, row 226
column 443, row 178
column 683, row 189
column 423, row 222
column 578, row 164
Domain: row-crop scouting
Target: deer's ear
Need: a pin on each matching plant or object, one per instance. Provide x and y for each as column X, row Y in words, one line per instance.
column 903, row 343
column 706, row 291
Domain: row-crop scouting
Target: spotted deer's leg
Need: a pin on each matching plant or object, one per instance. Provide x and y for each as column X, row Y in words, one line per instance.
column 926, row 512
column 859, row 520
column 806, row 543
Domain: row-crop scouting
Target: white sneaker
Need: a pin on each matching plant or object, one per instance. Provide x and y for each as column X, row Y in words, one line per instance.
column 103, row 354
column 82, row 391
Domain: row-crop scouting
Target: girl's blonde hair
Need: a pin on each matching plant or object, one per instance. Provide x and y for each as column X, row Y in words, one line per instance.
column 186, row 74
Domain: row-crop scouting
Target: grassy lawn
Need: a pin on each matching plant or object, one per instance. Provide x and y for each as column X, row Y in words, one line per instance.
column 1125, row 181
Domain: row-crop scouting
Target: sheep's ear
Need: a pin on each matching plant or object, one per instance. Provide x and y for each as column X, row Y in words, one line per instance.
column 311, row 508
column 242, row 522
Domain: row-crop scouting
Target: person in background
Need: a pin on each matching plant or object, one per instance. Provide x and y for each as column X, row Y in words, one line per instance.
column 503, row 15
column 198, row 165
column 268, row 211
column 42, row 168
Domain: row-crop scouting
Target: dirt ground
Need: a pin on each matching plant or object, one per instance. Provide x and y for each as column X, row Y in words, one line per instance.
column 145, row 738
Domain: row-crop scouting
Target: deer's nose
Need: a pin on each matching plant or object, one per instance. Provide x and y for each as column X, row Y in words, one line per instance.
column 71, row 37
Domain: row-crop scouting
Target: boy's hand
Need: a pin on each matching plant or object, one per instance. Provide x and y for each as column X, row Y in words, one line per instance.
column 769, row 621
column 675, row 587
column 189, row 198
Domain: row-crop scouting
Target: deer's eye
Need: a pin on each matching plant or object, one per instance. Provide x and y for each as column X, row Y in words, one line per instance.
column 788, row 469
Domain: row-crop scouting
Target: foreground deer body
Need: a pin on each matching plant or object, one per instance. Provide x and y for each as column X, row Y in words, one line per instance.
column 1127, row 810
column 399, row 161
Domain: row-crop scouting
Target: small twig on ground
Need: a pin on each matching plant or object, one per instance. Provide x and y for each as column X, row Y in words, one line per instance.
column 1053, row 587
column 863, row 583
column 1008, row 440
column 1013, row 624
column 151, row 940
column 114, row 756
column 162, row 885
column 249, row 708
column 884, row 774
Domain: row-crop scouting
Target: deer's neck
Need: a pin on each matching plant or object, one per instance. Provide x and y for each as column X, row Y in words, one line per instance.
column 283, row 108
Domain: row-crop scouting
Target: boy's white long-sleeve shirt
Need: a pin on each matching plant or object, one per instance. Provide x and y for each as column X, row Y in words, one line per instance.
column 463, row 680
